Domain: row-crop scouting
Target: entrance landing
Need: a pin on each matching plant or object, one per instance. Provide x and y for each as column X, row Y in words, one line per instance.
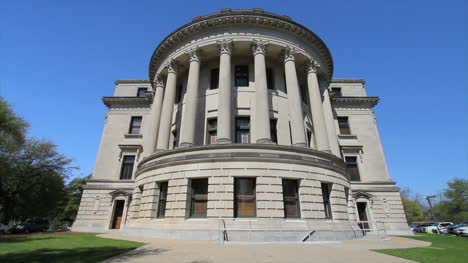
column 359, row 251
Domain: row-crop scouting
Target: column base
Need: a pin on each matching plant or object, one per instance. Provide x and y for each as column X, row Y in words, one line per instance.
column 301, row 144
column 223, row 141
column 265, row 141
column 327, row 151
column 160, row 150
column 186, row 144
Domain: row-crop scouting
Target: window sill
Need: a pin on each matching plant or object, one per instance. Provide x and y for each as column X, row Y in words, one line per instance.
column 133, row 136
column 347, row 136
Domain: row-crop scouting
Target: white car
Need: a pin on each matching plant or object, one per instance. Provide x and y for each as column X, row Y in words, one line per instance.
column 433, row 228
column 4, row 229
column 462, row 231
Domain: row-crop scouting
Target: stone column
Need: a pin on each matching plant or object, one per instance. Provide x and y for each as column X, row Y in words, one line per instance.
column 224, row 93
column 294, row 100
column 155, row 115
column 167, row 108
column 330, row 123
column 187, row 133
column 262, row 111
column 316, row 108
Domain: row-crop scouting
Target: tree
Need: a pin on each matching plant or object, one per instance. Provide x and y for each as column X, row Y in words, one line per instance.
column 454, row 207
column 32, row 180
column 413, row 210
column 74, row 192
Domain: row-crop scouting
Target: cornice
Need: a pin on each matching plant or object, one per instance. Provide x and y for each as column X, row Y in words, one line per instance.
column 360, row 102
column 348, row 81
column 132, row 81
column 240, row 16
column 113, row 102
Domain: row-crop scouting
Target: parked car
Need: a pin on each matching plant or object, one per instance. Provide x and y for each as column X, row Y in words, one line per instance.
column 420, row 227
column 433, row 228
column 462, row 231
column 451, row 229
column 27, row 226
column 412, row 226
column 4, row 229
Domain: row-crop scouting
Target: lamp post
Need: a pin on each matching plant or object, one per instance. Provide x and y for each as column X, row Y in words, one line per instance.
column 428, row 198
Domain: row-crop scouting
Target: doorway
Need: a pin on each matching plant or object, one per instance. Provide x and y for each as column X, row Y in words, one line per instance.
column 118, row 212
column 362, row 212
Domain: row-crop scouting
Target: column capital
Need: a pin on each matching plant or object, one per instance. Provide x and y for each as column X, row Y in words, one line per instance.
column 290, row 54
column 312, row 66
column 193, row 53
column 225, row 46
column 158, row 82
column 259, row 46
column 171, row 66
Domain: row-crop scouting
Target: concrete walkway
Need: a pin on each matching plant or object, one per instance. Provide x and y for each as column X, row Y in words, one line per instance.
column 162, row 251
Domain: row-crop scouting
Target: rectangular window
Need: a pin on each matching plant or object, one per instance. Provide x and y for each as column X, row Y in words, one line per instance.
column 174, row 139
column 346, row 192
column 309, row 137
column 336, row 92
column 326, row 191
column 343, row 124
column 241, row 76
column 304, row 94
column 244, row 197
column 199, row 199
column 269, row 75
column 214, row 83
column 127, row 167
column 352, row 166
column 141, row 92
column 211, row 130
column 162, row 199
column 135, row 125
column 291, row 199
column 178, row 96
column 273, row 131
column 243, row 130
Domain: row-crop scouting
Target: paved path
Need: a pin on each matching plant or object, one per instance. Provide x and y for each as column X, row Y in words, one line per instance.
column 162, row 251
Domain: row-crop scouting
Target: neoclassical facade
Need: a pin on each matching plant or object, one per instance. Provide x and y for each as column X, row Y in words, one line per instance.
column 241, row 129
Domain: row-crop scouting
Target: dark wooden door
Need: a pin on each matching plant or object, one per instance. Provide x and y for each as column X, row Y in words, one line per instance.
column 118, row 212
column 362, row 211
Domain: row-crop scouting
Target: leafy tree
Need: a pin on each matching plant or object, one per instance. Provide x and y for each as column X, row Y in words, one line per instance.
column 74, row 192
column 12, row 127
column 413, row 210
column 454, row 206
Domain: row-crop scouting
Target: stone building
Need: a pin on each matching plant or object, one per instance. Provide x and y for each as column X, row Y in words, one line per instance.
column 241, row 126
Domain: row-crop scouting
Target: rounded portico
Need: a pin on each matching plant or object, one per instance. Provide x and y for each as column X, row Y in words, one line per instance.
column 242, row 132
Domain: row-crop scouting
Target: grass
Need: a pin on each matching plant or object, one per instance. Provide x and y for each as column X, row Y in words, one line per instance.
column 446, row 249
column 67, row 247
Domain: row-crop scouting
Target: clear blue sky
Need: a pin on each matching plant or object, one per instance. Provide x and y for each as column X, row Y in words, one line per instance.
column 58, row 58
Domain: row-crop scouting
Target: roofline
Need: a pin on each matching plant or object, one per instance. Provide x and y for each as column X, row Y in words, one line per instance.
column 348, row 81
column 322, row 48
column 131, row 81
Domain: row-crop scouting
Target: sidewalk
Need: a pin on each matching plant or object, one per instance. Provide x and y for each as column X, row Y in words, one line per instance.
column 162, row 251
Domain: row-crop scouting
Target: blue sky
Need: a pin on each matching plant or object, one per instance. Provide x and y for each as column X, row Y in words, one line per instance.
column 58, row 58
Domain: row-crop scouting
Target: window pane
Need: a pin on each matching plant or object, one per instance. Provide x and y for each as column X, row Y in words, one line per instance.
column 211, row 131
column 135, row 125
column 244, row 200
column 243, row 130
column 326, row 189
column 214, row 78
column 242, row 76
column 162, row 199
column 270, row 82
column 291, row 198
column 141, row 92
column 344, row 125
column 199, row 197
column 352, row 167
column 273, row 131
column 127, row 167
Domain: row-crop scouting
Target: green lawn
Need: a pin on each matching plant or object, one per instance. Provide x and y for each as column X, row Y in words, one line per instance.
column 67, row 247
column 446, row 249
